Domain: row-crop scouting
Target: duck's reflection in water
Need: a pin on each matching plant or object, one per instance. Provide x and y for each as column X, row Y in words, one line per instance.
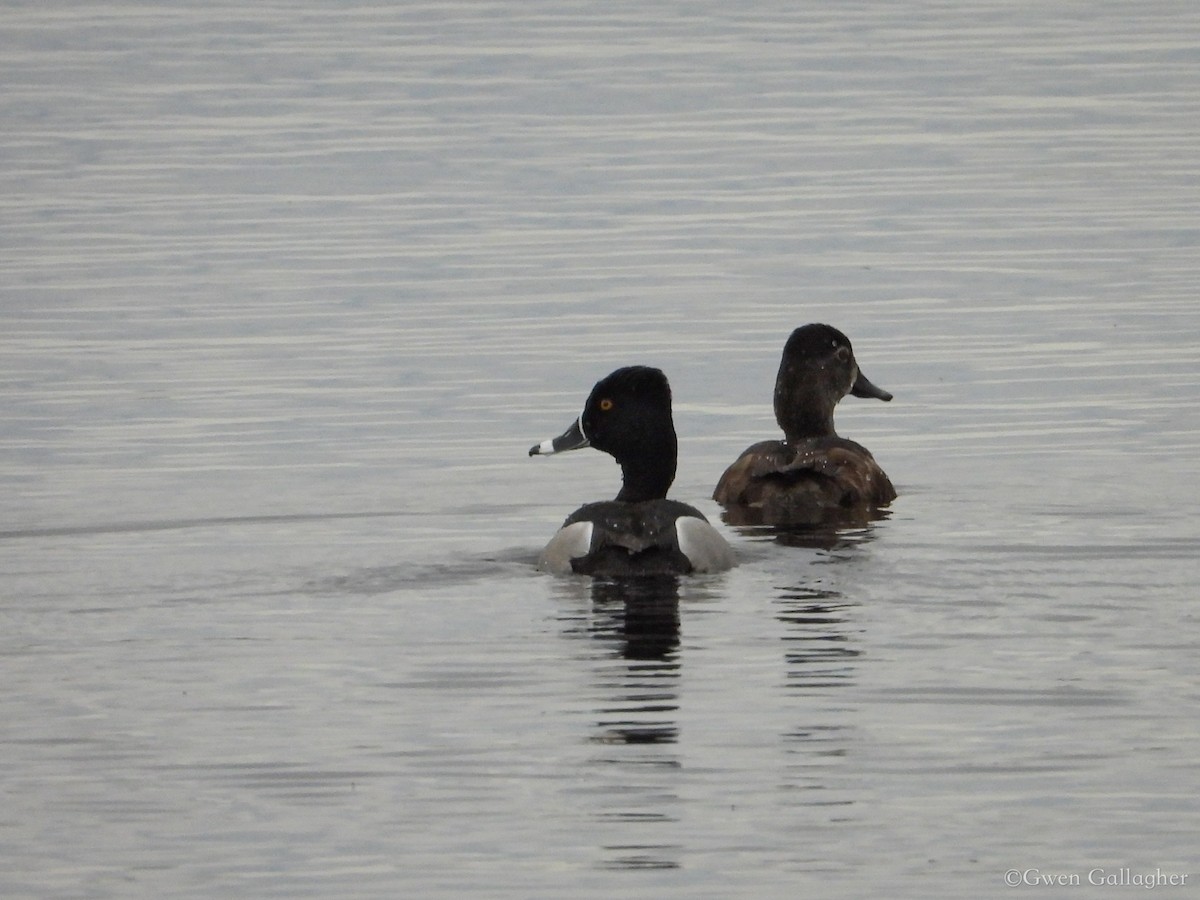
column 822, row 654
column 639, row 619
column 635, row 718
column 834, row 534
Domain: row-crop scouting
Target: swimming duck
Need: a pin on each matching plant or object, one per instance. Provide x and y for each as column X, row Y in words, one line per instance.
column 812, row 476
column 641, row 532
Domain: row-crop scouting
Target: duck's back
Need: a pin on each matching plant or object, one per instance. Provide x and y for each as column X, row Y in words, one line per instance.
column 653, row 537
column 810, row 482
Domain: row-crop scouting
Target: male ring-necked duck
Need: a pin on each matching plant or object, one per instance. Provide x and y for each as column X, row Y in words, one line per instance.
column 628, row 416
column 812, row 477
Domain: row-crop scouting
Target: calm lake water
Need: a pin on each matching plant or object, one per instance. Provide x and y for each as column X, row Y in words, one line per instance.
column 286, row 292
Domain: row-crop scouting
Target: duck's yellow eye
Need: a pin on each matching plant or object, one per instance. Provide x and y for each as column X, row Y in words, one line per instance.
column 606, row 405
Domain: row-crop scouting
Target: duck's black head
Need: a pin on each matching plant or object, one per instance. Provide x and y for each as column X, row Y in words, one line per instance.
column 817, row 370
column 628, row 416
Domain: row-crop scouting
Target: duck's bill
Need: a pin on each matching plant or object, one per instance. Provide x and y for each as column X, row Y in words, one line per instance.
column 571, row 439
column 864, row 388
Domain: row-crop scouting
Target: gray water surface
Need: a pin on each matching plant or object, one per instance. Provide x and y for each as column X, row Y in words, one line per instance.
column 287, row 291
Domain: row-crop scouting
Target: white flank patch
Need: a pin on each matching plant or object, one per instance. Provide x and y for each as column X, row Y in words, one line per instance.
column 570, row 543
column 703, row 545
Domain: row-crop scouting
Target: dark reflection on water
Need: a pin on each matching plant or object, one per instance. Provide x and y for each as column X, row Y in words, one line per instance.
column 811, row 537
column 638, row 619
column 638, row 857
column 831, row 522
column 642, row 613
column 821, row 655
column 636, row 713
column 820, row 638
column 638, row 792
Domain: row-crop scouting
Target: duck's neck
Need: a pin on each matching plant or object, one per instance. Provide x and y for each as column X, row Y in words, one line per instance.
column 648, row 475
column 803, row 410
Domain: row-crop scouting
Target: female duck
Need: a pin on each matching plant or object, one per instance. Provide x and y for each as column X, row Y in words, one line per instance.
column 812, row 476
column 628, row 416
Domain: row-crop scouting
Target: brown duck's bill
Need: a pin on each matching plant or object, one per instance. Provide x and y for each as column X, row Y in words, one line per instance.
column 571, row 439
column 864, row 388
